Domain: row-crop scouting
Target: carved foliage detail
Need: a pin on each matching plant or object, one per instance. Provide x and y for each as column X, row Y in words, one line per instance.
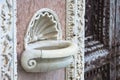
column 7, row 48
column 75, row 32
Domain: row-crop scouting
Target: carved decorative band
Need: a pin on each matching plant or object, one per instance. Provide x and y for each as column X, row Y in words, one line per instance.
column 75, row 32
column 8, row 40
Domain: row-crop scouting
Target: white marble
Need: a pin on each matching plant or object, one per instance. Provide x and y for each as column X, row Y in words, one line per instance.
column 44, row 48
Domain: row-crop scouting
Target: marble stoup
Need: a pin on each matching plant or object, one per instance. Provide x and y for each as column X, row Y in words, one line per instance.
column 44, row 48
column 75, row 10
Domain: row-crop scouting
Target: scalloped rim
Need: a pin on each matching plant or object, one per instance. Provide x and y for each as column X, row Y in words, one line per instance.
column 37, row 16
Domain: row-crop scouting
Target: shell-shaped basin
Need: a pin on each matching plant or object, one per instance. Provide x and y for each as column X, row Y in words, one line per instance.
column 44, row 48
column 43, row 56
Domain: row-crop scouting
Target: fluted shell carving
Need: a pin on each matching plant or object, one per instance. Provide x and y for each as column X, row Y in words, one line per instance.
column 44, row 25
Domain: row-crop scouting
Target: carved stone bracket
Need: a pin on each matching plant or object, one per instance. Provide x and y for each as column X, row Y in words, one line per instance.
column 8, row 61
column 75, row 32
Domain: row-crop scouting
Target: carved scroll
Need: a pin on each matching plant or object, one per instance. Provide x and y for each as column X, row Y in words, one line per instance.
column 75, row 32
column 8, row 61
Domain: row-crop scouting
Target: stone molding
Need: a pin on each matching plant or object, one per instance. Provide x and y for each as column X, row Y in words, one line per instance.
column 75, row 11
column 8, row 61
